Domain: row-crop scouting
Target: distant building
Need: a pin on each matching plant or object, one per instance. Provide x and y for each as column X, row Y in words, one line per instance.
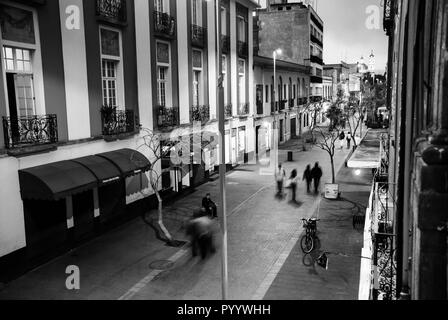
column 298, row 30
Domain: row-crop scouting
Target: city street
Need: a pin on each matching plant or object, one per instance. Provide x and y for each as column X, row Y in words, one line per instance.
column 129, row 263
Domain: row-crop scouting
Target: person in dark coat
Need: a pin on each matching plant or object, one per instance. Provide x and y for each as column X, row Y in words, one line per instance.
column 316, row 173
column 201, row 233
column 307, row 176
column 293, row 185
column 210, row 206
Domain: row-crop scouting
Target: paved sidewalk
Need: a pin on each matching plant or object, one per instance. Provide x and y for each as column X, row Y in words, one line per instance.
column 301, row 279
column 128, row 258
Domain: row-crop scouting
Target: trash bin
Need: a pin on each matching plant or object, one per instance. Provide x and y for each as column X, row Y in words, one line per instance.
column 290, row 156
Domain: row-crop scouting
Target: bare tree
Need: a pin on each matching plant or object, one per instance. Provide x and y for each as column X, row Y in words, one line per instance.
column 327, row 142
column 162, row 146
column 354, row 115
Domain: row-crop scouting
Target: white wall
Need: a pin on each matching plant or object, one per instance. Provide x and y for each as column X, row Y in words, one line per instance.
column 142, row 30
column 183, row 33
column 75, row 71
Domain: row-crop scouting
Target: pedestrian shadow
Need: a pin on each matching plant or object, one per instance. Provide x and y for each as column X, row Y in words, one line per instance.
column 295, row 204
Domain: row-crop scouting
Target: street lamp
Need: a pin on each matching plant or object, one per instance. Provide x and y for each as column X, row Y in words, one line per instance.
column 276, row 53
column 222, row 152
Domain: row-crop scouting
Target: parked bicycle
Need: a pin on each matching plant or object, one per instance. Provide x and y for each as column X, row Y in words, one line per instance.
column 309, row 239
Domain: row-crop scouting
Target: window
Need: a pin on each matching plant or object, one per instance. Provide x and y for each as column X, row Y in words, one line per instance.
column 223, row 21
column 242, row 80
column 161, row 86
column 241, row 29
column 196, row 12
column 294, row 92
column 267, row 93
column 109, row 77
column 17, row 60
column 163, row 74
column 197, row 78
column 111, row 67
column 196, row 87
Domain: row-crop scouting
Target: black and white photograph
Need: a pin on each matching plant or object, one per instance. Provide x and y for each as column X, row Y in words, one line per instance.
column 224, row 150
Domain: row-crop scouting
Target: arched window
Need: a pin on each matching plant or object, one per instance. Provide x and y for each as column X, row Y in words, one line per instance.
column 299, row 88
column 280, row 89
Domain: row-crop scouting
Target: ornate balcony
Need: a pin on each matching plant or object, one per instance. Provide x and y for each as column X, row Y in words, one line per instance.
column 291, row 103
column 198, row 36
column 167, row 117
column 242, row 49
column 164, row 24
column 30, row 131
column 118, row 122
column 112, row 10
column 200, row 114
column 315, row 99
column 225, row 44
column 283, row 104
column 243, row 109
column 228, row 109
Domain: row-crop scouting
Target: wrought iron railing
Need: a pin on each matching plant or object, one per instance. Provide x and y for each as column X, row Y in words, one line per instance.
column 283, row 104
column 228, row 109
column 384, row 247
column 302, row 101
column 164, row 24
column 200, row 114
column 112, row 9
column 167, row 117
column 198, row 36
column 316, row 79
column 243, row 109
column 225, row 44
column 119, row 122
column 389, row 16
column 242, row 49
column 314, row 99
column 30, row 131
column 291, row 103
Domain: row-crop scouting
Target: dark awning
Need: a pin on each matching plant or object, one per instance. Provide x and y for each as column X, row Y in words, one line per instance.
column 130, row 162
column 55, row 181
column 104, row 170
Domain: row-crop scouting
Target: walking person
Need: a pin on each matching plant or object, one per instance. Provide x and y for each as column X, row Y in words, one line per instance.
column 201, row 233
column 293, row 184
column 342, row 139
column 349, row 140
column 316, row 173
column 280, row 175
column 307, row 176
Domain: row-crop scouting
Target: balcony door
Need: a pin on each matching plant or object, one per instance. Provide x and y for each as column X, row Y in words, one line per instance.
column 19, row 81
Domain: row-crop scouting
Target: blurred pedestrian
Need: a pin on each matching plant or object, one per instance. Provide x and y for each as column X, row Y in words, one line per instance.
column 280, row 175
column 292, row 184
column 349, row 140
column 307, row 176
column 200, row 230
column 342, row 139
column 316, row 173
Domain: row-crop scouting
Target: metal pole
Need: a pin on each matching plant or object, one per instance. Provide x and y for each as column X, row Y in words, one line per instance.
column 222, row 164
column 274, row 142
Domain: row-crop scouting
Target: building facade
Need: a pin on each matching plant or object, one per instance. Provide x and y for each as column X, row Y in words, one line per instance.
column 80, row 80
column 410, row 190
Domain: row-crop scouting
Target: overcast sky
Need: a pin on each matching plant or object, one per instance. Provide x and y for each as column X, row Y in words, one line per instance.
column 346, row 36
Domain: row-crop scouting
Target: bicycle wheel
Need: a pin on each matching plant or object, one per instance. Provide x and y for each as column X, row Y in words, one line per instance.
column 307, row 244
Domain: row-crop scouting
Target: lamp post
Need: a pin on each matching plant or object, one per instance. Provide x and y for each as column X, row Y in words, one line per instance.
column 222, row 151
column 275, row 128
